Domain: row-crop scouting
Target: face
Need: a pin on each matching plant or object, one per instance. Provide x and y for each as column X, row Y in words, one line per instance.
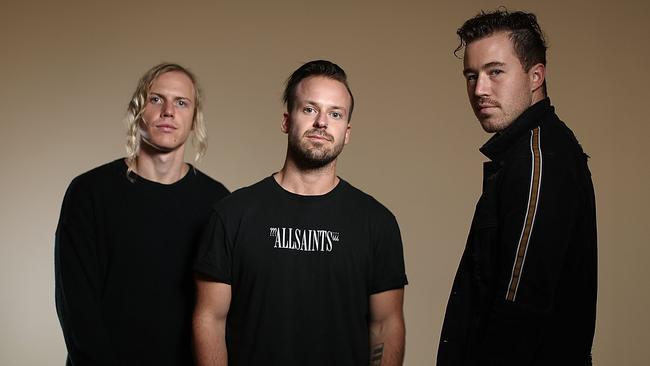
column 169, row 112
column 318, row 125
column 498, row 87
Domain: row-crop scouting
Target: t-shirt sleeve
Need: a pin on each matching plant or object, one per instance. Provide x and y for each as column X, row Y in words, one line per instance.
column 214, row 258
column 388, row 270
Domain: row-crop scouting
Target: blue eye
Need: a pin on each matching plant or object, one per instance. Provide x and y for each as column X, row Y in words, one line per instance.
column 336, row 115
column 154, row 99
column 308, row 110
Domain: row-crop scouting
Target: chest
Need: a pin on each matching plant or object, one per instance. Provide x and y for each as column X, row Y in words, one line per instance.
column 302, row 246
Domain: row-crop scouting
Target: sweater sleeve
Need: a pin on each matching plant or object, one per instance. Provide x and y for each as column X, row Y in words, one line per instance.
column 538, row 203
column 79, row 282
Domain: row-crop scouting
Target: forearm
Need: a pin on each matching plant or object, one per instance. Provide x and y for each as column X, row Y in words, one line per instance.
column 209, row 340
column 387, row 342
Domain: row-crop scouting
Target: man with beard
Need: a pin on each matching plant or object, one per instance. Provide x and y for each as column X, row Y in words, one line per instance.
column 302, row 268
column 525, row 290
column 128, row 233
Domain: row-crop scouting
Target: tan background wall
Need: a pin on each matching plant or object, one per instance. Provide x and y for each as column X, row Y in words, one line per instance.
column 67, row 71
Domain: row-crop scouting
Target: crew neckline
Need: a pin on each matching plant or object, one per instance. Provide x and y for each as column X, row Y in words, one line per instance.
column 142, row 180
column 340, row 186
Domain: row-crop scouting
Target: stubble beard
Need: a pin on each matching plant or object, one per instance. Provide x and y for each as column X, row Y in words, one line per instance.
column 312, row 155
column 495, row 125
column 492, row 123
column 506, row 115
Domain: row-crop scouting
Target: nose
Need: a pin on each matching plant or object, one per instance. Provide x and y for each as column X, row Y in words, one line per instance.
column 482, row 86
column 320, row 121
column 168, row 109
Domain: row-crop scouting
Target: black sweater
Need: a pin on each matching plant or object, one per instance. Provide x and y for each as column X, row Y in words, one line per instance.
column 123, row 254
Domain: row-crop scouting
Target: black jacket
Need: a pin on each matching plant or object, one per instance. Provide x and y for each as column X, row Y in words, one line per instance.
column 525, row 290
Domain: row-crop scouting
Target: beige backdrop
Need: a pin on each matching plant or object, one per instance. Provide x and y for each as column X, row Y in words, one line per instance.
column 68, row 69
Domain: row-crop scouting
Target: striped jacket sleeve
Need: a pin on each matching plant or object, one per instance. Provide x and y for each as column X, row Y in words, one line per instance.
column 537, row 205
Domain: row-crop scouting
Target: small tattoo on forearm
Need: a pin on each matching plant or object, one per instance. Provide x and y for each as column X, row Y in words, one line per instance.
column 376, row 353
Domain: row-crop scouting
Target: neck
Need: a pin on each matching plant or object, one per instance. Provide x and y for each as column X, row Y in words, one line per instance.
column 311, row 182
column 537, row 96
column 165, row 168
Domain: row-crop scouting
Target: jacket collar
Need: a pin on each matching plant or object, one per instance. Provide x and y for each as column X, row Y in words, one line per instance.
column 502, row 141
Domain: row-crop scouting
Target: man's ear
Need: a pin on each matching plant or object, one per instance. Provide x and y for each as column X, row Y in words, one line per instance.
column 285, row 123
column 537, row 74
column 347, row 134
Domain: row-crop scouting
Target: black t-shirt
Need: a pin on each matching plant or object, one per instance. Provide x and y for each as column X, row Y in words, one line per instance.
column 123, row 256
column 301, row 270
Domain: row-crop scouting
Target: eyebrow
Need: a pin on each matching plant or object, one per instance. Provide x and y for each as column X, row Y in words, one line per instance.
column 173, row 97
column 486, row 66
column 332, row 107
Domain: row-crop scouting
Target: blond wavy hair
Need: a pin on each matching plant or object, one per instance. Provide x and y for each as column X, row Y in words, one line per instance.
column 136, row 109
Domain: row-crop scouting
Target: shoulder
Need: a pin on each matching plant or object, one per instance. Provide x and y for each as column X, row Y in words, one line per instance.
column 557, row 139
column 550, row 155
column 366, row 202
column 206, row 184
column 246, row 197
column 562, row 157
column 551, row 141
column 100, row 176
column 96, row 181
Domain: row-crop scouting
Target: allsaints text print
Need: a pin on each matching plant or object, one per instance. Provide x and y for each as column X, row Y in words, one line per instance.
column 306, row 240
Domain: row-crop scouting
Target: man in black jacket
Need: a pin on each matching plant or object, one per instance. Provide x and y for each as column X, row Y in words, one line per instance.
column 525, row 290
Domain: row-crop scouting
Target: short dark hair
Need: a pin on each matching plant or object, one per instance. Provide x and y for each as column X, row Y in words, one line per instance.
column 525, row 33
column 315, row 68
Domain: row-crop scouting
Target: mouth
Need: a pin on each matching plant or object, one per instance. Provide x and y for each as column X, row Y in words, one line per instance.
column 166, row 127
column 485, row 104
column 485, row 108
column 318, row 136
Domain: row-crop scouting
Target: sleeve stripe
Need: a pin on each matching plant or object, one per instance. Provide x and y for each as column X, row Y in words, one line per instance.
column 533, row 200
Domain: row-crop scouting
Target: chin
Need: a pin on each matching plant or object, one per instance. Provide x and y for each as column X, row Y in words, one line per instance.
column 491, row 126
column 160, row 146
